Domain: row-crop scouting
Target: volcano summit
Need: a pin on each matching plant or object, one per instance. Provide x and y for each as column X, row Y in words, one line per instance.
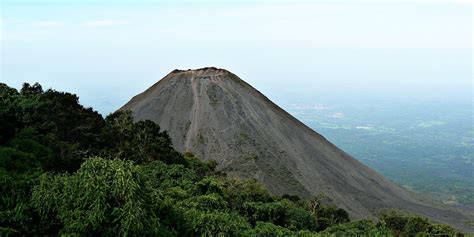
column 217, row 116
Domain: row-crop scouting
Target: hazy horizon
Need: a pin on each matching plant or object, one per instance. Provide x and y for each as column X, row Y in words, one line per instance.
column 343, row 51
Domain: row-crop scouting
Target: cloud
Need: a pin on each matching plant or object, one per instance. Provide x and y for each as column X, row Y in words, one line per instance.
column 105, row 23
column 48, row 24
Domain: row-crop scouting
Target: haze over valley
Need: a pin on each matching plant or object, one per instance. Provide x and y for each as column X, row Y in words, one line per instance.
column 426, row 146
column 236, row 118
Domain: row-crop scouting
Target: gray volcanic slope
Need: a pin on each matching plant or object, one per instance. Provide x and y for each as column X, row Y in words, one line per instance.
column 216, row 115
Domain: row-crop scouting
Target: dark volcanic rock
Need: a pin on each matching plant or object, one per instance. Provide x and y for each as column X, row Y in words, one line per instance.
column 216, row 115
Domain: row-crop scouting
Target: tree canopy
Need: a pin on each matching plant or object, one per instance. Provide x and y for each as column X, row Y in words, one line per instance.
column 65, row 170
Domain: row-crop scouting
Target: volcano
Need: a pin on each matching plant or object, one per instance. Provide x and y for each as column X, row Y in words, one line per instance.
column 217, row 116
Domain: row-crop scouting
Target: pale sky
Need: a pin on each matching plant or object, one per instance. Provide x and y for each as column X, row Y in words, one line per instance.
column 107, row 51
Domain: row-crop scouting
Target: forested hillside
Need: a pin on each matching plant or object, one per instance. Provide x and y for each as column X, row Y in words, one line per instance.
column 65, row 170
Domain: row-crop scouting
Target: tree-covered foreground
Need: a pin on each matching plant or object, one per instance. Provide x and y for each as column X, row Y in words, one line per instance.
column 65, row 170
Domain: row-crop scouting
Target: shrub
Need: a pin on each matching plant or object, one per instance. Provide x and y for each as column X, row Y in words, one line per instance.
column 355, row 228
column 266, row 229
column 327, row 216
column 103, row 193
column 214, row 223
column 273, row 212
column 416, row 225
column 394, row 220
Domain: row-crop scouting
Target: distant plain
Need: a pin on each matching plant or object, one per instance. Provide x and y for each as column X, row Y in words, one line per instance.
column 428, row 147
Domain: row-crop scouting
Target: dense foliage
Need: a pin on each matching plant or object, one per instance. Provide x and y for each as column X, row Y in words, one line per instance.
column 64, row 170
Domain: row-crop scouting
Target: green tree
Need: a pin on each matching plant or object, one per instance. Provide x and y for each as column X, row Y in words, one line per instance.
column 141, row 142
column 104, row 197
column 53, row 183
column 214, row 223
